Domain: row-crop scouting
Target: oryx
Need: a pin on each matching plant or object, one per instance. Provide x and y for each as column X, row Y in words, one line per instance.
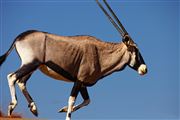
column 82, row 60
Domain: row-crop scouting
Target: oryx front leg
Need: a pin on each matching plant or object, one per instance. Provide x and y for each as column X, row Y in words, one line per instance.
column 85, row 95
column 72, row 99
column 71, row 102
column 11, row 81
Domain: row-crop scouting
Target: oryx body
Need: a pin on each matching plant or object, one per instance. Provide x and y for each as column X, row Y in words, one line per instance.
column 82, row 60
column 71, row 58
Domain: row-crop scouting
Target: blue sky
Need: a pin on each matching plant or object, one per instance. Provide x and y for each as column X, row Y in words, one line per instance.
column 154, row 26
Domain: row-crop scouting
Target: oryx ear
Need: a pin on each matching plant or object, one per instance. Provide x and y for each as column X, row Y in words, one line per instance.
column 126, row 40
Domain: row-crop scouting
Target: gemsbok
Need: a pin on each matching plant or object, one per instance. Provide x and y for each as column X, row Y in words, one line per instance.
column 83, row 60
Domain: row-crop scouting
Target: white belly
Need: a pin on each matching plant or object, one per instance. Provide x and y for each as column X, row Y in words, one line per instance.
column 49, row 72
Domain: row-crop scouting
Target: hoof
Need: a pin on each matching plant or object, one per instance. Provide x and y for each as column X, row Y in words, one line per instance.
column 34, row 112
column 64, row 109
column 33, row 109
column 11, row 108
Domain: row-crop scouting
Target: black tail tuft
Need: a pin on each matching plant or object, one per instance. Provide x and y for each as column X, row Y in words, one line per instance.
column 2, row 59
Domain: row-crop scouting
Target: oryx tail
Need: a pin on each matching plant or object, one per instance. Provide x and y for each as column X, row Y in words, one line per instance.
column 4, row 56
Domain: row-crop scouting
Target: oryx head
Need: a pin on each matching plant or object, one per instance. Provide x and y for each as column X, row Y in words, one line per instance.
column 135, row 59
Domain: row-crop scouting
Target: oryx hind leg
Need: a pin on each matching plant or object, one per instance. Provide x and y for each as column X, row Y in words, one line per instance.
column 24, row 70
column 85, row 95
column 13, row 103
column 22, row 85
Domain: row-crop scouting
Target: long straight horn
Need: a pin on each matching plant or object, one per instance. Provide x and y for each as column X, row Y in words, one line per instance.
column 111, row 20
column 116, row 18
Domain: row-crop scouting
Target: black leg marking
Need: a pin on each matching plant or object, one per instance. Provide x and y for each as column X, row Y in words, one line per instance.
column 26, row 69
column 84, row 93
column 69, row 115
column 60, row 70
column 76, row 88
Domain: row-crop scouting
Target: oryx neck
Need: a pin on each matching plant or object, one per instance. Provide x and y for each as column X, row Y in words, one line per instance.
column 114, row 59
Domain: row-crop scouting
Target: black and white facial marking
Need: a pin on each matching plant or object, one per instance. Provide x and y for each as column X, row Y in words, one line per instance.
column 136, row 61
